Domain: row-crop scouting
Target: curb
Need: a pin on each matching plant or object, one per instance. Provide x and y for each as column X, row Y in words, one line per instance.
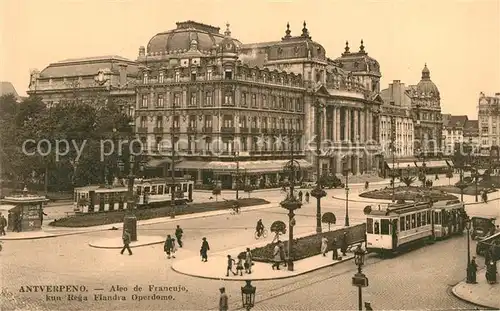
column 131, row 246
column 468, row 301
column 358, row 201
column 166, row 220
column 259, row 280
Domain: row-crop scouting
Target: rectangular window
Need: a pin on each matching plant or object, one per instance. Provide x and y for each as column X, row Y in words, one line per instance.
column 428, row 217
column 407, row 222
column 228, row 75
column 153, row 190
column 264, row 101
column 244, row 144
column 176, row 122
column 208, row 121
column 177, row 100
column 369, row 225
column 161, row 77
column 159, row 121
column 208, row 99
column 144, row 121
column 376, row 227
column 413, row 221
column 419, row 220
column 144, row 102
column 424, row 219
column 209, row 75
column 193, row 76
column 160, row 189
column 194, row 100
column 228, row 99
column 384, row 226
column 254, row 100
column 177, row 76
column 243, row 99
column 192, row 121
column 145, row 78
column 273, row 102
column 159, row 102
column 402, row 224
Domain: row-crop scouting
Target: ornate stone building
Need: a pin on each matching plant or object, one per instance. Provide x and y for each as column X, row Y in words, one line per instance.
column 230, row 106
column 453, row 132
column 489, row 120
column 426, row 110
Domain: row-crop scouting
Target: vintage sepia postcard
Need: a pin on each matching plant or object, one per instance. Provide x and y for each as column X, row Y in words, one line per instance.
column 249, row 155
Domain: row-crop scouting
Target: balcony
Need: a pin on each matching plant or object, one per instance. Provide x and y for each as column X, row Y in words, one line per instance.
column 243, row 129
column 227, row 130
column 264, row 130
column 142, row 130
column 175, row 129
column 256, row 130
column 191, row 129
column 158, row 130
column 207, row 129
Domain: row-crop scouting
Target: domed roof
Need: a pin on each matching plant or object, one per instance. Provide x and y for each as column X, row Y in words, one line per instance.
column 358, row 61
column 181, row 39
column 228, row 44
column 426, row 87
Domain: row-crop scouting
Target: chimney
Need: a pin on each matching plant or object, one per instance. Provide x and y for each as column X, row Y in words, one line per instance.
column 123, row 74
column 142, row 51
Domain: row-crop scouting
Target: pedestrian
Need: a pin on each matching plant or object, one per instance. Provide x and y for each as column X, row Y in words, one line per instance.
column 3, row 224
column 300, row 196
column 239, row 265
column 343, row 244
column 282, row 253
column 437, row 177
column 276, row 257
column 335, row 253
column 368, row 306
column 473, row 270
column 230, row 262
column 167, row 247
column 324, row 246
column 178, row 235
column 174, row 248
column 491, row 272
column 248, row 261
column 307, row 197
column 41, row 216
column 223, row 300
column 204, row 249
column 126, row 242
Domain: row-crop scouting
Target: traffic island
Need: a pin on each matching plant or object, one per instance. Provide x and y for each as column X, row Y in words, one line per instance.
column 481, row 294
column 408, row 194
column 117, row 243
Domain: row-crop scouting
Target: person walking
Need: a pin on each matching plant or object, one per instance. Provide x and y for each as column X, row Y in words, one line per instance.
column 41, row 216
column 126, row 238
column 282, row 253
column 335, row 253
column 230, row 262
column 276, row 257
column 307, row 196
column 3, row 224
column 491, row 272
column 473, row 270
column 343, row 244
column 174, row 248
column 204, row 250
column 239, row 265
column 178, row 235
column 248, row 261
column 167, row 247
column 300, row 196
column 324, row 246
column 223, row 300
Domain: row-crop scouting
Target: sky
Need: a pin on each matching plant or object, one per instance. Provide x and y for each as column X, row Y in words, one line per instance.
column 459, row 40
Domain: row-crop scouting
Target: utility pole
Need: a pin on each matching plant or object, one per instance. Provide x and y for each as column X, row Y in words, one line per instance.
column 393, row 149
column 237, row 155
column 172, row 165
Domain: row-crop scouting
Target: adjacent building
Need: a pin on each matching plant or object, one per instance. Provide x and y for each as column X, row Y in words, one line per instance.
column 453, row 132
column 489, row 120
column 7, row 88
column 471, row 135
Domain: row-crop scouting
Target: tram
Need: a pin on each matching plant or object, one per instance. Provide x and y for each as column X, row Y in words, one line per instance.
column 154, row 192
column 398, row 226
column 448, row 218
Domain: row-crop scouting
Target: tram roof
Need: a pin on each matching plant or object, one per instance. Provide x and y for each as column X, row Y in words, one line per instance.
column 449, row 204
column 400, row 208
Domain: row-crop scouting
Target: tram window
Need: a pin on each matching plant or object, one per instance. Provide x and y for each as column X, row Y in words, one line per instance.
column 376, row 227
column 408, row 227
column 384, row 226
column 419, row 220
column 167, row 190
column 139, row 190
column 153, row 190
column 428, row 217
column 424, row 219
column 160, row 189
column 436, row 219
column 413, row 221
column 401, row 224
column 369, row 225
column 147, row 189
column 184, row 188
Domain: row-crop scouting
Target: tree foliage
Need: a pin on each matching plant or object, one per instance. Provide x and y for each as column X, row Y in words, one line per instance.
column 408, row 180
column 328, row 218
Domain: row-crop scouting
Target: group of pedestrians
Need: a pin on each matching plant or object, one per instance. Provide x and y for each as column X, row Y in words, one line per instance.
column 334, row 246
column 244, row 262
column 170, row 245
column 279, row 255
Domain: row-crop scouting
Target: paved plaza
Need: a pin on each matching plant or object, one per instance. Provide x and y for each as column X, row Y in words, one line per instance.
column 70, row 260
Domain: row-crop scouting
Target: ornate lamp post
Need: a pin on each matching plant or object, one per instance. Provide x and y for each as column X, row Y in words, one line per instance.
column 318, row 191
column 475, row 176
column 130, row 220
column 359, row 279
column 248, row 295
column 238, row 182
column 346, row 173
column 468, row 227
column 291, row 204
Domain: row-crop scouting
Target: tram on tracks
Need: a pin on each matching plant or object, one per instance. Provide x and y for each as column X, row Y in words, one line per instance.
column 155, row 192
column 398, row 226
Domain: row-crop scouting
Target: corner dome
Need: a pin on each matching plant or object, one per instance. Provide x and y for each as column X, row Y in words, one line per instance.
column 358, row 61
column 426, row 87
column 181, row 39
column 228, row 45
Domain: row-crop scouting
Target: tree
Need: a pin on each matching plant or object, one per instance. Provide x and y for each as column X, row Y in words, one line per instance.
column 278, row 227
column 248, row 189
column 408, row 180
column 449, row 175
column 217, row 191
column 328, row 218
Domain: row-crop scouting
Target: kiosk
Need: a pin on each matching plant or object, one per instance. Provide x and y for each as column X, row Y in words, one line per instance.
column 25, row 212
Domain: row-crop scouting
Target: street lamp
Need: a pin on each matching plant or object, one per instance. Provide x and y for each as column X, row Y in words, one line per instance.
column 359, row 279
column 130, row 220
column 248, row 295
column 172, row 165
column 238, row 183
column 468, row 227
column 393, row 150
column 475, row 175
column 346, row 173
column 291, row 204
column 318, row 192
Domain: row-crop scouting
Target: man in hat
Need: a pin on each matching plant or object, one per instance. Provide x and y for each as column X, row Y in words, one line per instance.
column 343, row 243
column 178, row 235
column 473, row 270
column 204, row 249
column 223, row 300
column 3, row 224
column 126, row 242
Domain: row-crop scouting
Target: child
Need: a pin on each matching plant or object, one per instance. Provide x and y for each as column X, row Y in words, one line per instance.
column 239, row 265
column 230, row 262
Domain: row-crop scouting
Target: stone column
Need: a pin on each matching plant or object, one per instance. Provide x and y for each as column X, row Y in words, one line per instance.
column 362, row 132
column 369, row 125
column 199, row 179
column 356, row 128
column 323, row 126
column 337, row 124
column 346, row 124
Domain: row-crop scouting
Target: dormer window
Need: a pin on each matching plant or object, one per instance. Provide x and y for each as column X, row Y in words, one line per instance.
column 177, row 76
column 145, row 78
column 161, row 77
column 228, row 75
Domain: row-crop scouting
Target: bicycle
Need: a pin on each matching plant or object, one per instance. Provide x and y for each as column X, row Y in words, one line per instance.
column 263, row 235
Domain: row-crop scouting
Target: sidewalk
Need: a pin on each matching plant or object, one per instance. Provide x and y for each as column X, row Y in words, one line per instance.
column 481, row 294
column 215, row 267
column 51, row 232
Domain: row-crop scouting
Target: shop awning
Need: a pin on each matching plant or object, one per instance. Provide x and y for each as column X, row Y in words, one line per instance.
column 158, row 162
column 192, row 165
column 434, row 164
column 248, row 166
